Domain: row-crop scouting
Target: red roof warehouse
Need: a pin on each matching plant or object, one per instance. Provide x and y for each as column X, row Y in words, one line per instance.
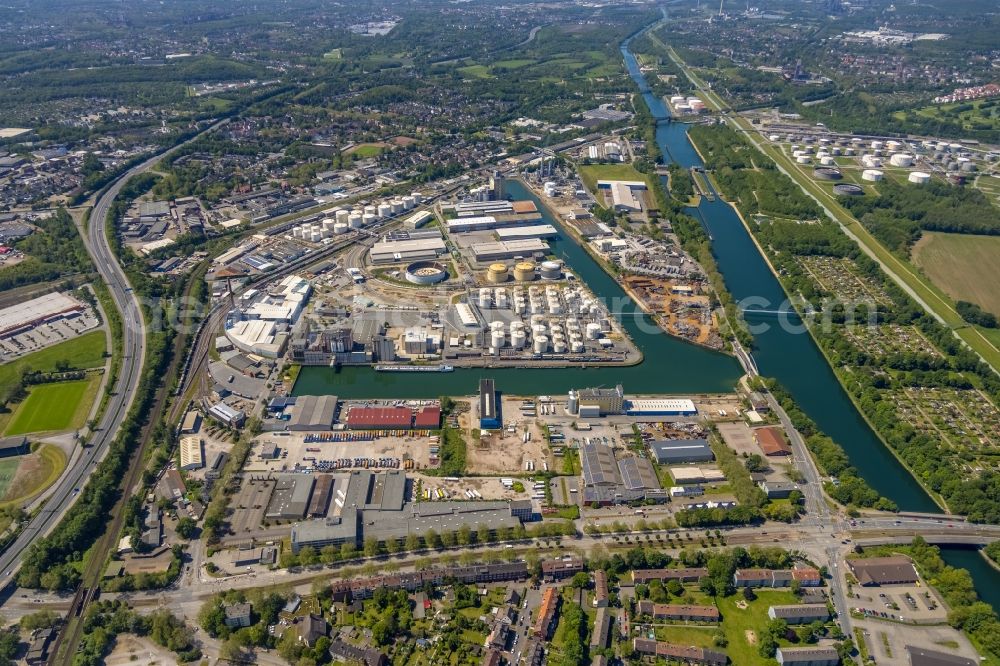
column 427, row 418
column 367, row 418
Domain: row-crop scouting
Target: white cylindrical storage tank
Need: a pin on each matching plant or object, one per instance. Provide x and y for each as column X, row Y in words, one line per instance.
column 340, row 228
column 418, row 197
column 537, row 320
column 593, row 331
column 396, row 205
column 802, row 159
column 371, row 210
column 551, row 270
column 369, row 218
column 901, row 160
column 774, row 137
column 517, row 339
column 485, row 298
column 573, row 402
column 316, row 236
column 878, row 145
column 835, row 150
column 541, row 344
column 496, row 326
column 559, row 347
column 873, row 175
column 827, row 161
column 538, row 329
column 342, row 215
column 849, row 152
column 919, row 178
column 955, row 147
column 576, row 346
column 297, row 232
column 384, row 210
column 497, row 339
column 409, row 202
column 356, row 220
column 893, row 145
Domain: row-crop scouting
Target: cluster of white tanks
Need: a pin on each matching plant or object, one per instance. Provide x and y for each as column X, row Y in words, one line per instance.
column 552, row 319
column 549, row 188
column 341, row 220
column 683, row 104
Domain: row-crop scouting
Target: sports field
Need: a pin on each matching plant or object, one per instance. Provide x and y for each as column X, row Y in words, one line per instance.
column 965, row 266
column 55, row 407
column 86, row 351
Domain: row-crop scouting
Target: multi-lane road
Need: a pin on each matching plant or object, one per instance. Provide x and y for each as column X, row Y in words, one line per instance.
column 133, row 353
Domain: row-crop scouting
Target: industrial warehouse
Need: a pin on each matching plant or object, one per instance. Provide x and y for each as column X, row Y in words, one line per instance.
column 368, row 505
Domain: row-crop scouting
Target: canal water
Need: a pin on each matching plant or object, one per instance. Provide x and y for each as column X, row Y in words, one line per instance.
column 792, row 357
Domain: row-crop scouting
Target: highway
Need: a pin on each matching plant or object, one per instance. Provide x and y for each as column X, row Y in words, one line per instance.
column 133, row 354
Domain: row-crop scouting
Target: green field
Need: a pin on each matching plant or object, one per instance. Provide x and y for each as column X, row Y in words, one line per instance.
column 55, row 407
column 516, row 63
column 981, row 114
column 366, row 150
column 86, row 351
column 964, row 266
column 474, row 72
column 736, row 622
column 594, row 172
column 334, row 54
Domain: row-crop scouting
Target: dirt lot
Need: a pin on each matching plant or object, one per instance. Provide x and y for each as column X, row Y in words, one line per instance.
column 505, row 452
column 489, row 488
column 292, row 450
column 131, row 650
column 721, row 407
column 737, row 436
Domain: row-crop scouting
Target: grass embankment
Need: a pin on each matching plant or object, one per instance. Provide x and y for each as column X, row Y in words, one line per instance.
column 55, row 407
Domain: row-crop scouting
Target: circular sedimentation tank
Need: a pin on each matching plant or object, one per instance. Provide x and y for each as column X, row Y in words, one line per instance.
column 848, row 189
column 826, row 173
column 426, row 272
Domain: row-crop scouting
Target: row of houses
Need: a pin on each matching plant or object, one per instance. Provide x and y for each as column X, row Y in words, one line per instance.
column 687, row 654
column 806, row 576
column 364, row 588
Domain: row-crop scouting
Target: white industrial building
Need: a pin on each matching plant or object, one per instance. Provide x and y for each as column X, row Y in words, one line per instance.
column 192, row 453
column 534, row 231
column 509, row 249
column 623, row 193
column 36, row 311
column 262, row 326
column 399, row 251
